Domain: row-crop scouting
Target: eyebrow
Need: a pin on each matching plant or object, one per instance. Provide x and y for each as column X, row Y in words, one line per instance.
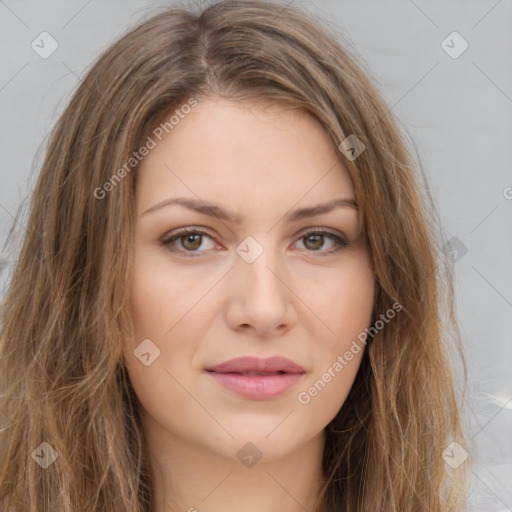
column 218, row 212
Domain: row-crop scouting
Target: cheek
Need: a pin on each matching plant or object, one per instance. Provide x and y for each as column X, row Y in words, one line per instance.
column 345, row 305
column 158, row 304
column 167, row 307
column 344, row 301
column 352, row 310
column 159, row 298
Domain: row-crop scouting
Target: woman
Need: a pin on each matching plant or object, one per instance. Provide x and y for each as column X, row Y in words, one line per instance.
column 228, row 294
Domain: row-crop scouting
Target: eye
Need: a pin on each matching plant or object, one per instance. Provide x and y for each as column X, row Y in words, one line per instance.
column 191, row 239
column 314, row 240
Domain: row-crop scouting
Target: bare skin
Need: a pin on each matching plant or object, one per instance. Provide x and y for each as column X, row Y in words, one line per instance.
column 300, row 298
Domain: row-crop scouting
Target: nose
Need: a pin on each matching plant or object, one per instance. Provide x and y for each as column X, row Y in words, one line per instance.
column 260, row 299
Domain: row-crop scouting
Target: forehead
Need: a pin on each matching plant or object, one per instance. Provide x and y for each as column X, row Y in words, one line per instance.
column 246, row 153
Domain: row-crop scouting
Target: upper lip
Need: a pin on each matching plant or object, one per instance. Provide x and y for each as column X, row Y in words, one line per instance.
column 254, row 364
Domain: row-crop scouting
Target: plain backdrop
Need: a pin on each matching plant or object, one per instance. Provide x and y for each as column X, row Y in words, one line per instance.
column 455, row 105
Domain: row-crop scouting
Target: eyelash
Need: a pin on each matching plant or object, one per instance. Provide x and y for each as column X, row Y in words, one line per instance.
column 167, row 241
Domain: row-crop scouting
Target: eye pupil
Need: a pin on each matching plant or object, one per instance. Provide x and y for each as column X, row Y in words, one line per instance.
column 189, row 238
column 317, row 238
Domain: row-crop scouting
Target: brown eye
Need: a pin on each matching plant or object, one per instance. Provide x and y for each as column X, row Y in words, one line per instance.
column 190, row 240
column 315, row 240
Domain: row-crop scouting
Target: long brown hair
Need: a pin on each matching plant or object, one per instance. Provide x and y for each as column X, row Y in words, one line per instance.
column 63, row 377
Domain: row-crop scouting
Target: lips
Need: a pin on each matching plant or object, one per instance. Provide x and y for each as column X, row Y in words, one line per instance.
column 254, row 366
column 257, row 379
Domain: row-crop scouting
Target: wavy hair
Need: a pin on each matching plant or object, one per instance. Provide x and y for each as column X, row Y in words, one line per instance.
column 63, row 376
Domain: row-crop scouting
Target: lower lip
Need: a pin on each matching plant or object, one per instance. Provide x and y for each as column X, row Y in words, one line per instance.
column 257, row 387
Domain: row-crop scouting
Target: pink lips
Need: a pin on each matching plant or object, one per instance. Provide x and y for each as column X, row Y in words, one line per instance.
column 255, row 378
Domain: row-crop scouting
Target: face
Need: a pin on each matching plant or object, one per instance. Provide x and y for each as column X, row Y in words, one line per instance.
column 248, row 263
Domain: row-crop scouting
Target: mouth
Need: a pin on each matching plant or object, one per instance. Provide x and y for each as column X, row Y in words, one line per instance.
column 251, row 373
column 257, row 379
column 253, row 365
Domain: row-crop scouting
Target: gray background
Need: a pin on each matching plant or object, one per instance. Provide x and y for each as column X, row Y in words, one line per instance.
column 458, row 112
